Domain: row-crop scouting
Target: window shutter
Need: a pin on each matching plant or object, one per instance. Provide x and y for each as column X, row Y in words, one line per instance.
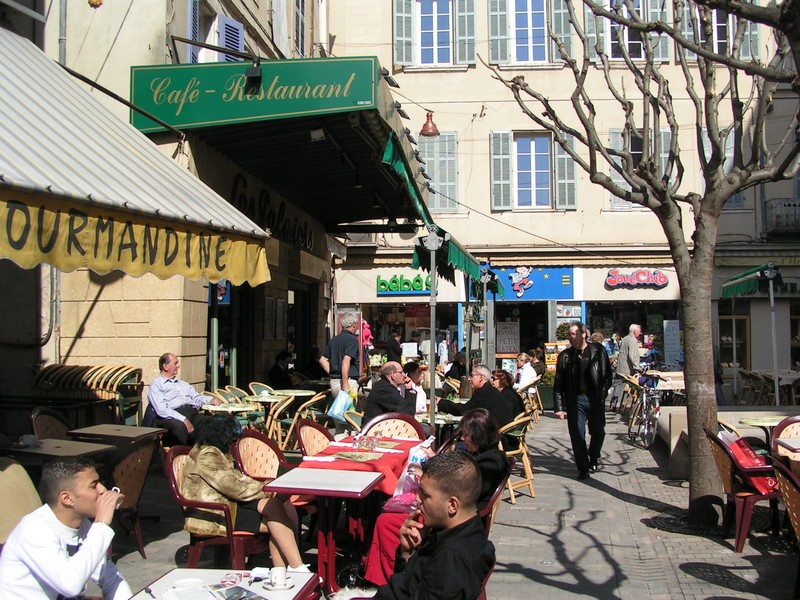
column 440, row 156
column 559, row 17
column 193, row 28
column 231, row 36
column 657, row 11
column 465, row 32
column 498, row 31
column 594, row 27
column 500, row 150
column 616, row 143
column 403, row 32
column 750, row 40
column 665, row 141
column 300, row 28
column 687, row 31
column 737, row 199
column 565, row 176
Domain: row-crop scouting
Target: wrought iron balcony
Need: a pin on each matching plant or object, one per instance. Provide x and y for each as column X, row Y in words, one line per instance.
column 782, row 216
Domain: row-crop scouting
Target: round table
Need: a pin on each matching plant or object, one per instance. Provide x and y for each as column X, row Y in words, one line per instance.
column 296, row 393
column 230, row 408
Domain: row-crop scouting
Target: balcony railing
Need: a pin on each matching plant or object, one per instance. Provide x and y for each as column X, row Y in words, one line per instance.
column 782, row 216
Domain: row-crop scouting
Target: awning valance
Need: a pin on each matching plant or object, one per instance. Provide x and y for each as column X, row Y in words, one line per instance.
column 80, row 187
column 450, row 257
column 752, row 281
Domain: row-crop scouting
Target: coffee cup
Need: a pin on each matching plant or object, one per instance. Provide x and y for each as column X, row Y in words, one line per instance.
column 277, row 577
column 29, row 439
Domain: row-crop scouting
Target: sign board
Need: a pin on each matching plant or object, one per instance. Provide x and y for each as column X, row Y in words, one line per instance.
column 210, row 94
column 673, row 342
column 410, row 350
column 551, row 350
column 507, row 338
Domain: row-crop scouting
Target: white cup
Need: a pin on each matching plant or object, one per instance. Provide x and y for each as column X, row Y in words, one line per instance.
column 277, row 576
column 29, row 439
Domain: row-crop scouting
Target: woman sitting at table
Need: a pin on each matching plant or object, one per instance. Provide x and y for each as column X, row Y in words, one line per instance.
column 209, row 475
column 479, row 433
column 504, row 382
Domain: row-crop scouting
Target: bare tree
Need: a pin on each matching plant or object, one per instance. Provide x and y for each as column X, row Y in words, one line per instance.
column 731, row 92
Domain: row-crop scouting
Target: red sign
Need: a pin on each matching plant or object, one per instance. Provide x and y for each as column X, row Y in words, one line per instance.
column 638, row 278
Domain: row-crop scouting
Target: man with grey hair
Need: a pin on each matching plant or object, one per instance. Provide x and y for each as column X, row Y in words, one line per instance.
column 340, row 358
column 627, row 360
column 392, row 393
column 484, row 395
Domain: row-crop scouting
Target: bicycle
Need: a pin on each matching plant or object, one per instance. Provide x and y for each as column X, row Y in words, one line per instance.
column 643, row 421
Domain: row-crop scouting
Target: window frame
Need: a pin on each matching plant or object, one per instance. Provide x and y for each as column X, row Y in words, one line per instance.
column 407, row 34
column 503, row 46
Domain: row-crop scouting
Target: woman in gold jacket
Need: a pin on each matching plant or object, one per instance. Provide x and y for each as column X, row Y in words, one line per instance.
column 210, row 476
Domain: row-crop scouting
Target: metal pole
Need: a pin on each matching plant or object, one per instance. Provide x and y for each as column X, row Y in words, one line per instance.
column 432, row 243
column 774, row 342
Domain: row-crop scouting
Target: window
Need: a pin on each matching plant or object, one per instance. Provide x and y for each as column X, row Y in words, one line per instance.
column 440, row 155
column 216, row 30
column 615, row 39
column 736, row 201
column 636, row 150
column 724, row 27
column 518, row 31
column 300, row 27
column 434, row 32
column 529, row 171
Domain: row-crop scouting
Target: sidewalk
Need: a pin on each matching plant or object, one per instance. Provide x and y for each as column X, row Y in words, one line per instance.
column 615, row 535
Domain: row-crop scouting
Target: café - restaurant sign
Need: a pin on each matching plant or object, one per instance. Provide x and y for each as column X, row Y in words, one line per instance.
column 209, row 94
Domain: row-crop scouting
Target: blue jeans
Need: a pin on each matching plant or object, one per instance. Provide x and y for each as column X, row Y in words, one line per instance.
column 578, row 416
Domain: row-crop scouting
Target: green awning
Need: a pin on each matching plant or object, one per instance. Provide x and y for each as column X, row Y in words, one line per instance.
column 393, row 156
column 450, row 257
column 751, row 281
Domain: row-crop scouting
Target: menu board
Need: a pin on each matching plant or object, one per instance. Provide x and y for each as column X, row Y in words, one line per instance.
column 507, row 337
column 551, row 350
column 673, row 342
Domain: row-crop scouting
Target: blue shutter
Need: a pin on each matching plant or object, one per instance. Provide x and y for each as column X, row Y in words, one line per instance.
column 403, row 32
column 193, row 29
column 657, row 11
column 231, row 36
column 616, row 142
column 559, row 18
column 465, row 32
column 565, row 177
column 500, row 151
column 498, row 32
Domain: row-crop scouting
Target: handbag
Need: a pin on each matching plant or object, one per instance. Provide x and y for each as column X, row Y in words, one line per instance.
column 747, row 457
column 341, row 404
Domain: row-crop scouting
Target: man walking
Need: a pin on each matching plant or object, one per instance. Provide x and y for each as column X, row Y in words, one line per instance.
column 340, row 358
column 627, row 360
column 583, row 377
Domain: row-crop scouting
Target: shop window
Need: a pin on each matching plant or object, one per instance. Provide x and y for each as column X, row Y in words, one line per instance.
column 734, row 336
column 794, row 330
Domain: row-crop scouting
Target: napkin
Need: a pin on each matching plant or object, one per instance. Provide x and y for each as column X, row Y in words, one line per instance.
column 320, row 458
column 379, row 449
column 342, row 444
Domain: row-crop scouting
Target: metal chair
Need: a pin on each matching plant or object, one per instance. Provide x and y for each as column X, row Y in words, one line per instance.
column 240, row 544
column 312, row 437
column 257, row 387
column 394, row 424
column 740, row 494
column 129, row 473
column 517, row 430
column 49, row 424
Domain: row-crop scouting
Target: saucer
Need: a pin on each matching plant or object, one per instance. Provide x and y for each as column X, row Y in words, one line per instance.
column 277, row 588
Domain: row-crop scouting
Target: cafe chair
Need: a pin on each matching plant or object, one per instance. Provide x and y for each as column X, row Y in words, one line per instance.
column 394, row 425
column 741, row 497
column 49, row 424
column 530, row 396
column 310, row 409
column 240, row 544
column 789, row 427
column 789, row 486
column 312, row 437
column 257, row 387
column 129, row 473
column 517, row 430
column 488, row 512
column 18, row 496
column 277, row 411
column 353, row 419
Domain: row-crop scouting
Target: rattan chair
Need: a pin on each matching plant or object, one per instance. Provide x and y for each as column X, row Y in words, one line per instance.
column 257, row 387
column 354, row 419
column 312, row 437
column 488, row 512
column 18, row 496
column 49, row 424
column 394, row 424
column 789, row 485
column 259, row 457
column 789, row 427
column 309, row 409
column 237, row 391
column 517, row 430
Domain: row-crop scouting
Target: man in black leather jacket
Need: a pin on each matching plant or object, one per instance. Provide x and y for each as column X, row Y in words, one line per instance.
column 583, row 378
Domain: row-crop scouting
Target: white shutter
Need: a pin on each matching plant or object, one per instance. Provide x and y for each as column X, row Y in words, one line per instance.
column 665, row 141
column 500, row 151
column 687, row 30
column 565, row 176
column 737, row 199
column 440, row 156
column 193, row 29
column 657, row 11
column 465, row 32
column 559, row 18
column 403, row 32
column 595, row 28
column 750, row 40
column 280, row 27
column 498, row 32
column 616, row 142
column 231, row 37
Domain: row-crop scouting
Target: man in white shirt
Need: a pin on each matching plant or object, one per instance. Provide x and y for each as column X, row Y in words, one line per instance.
column 627, row 360
column 55, row 550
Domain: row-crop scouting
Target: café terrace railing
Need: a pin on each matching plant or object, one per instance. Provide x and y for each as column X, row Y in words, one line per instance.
column 782, row 216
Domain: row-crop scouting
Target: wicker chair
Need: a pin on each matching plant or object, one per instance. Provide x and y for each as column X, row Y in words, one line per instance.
column 259, row 457
column 49, row 424
column 307, row 410
column 517, row 430
column 353, row 418
column 129, row 473
column 312, row 437
column 741, row 496
column 488, row 512
column 17, row 495
column 394, row 424
column 237, row 391
column 789, row 485
column 257, row 387
column 789, row 427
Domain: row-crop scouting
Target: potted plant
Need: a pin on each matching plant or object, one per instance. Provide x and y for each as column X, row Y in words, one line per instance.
column 546, row 388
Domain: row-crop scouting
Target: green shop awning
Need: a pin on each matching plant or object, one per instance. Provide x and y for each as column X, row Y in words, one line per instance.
column 393, row 156
column 451, row 256
column 752, row 281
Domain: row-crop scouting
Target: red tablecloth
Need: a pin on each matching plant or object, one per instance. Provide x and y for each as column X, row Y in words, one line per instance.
column 390, row 463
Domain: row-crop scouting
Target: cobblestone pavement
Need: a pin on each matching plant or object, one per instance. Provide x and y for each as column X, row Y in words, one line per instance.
column 619, row 534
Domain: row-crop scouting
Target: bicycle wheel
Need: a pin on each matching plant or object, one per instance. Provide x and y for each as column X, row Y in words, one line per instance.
column 649, row 426
column 635, row 418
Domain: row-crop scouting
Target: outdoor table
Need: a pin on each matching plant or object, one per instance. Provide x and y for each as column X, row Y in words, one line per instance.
column 766, row 423
column 118, row 435
column 328, row 486
column 50, row 449
column 296, row 393
column 180, row 584
column 670, row 381
column 231, row 408
column 790, row 443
